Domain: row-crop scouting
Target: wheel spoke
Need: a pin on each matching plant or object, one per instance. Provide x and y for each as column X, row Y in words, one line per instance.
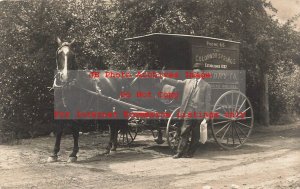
column 246, row 109
column 222, row 128
column 244, row 125
column 225, row 132
column 232, row 134
column 238, row 135
column 224, row 117
column 127, row 137
column 245, row 118
column 242, row 105
column 219, row 108
column 237, row 101
column 221, row 122
column 242, row 131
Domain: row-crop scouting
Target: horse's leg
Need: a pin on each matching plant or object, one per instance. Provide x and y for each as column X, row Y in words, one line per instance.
column 59, row 131
column 114, row 143
column 113, row 137
column 108, row 147
column 75, row 132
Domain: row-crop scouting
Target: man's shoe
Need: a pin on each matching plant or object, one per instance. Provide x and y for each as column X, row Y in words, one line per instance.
column 178, row 155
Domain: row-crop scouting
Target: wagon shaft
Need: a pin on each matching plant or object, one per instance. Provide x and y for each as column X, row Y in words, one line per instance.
column 119, row 102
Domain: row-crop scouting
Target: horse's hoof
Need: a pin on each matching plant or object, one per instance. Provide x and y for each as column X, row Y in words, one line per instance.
column 72, row 159
column 52, row 159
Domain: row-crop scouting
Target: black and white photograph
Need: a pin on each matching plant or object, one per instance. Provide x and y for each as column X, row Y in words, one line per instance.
column 201, row 94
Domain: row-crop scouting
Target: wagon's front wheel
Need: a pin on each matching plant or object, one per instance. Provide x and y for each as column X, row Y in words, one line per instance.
column 173, row 130
column 235, row 122
column 127, row 135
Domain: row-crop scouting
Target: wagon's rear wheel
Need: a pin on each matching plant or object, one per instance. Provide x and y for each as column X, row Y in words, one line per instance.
column 127, row 135
column 173, row 130
column 235, row 122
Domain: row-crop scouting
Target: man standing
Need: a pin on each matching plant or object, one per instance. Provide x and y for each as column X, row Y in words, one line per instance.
column 196, row 97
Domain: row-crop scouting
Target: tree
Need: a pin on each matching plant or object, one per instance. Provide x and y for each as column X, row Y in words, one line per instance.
column 266, row 46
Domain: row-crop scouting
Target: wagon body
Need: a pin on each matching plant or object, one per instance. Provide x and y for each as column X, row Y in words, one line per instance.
column 221, row 58
column 181, row 52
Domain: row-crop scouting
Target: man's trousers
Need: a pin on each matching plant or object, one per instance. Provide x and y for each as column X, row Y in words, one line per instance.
column 189, row 127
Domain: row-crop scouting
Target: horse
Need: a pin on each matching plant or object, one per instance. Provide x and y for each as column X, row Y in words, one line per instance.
column 65, row 58
column 71, row 83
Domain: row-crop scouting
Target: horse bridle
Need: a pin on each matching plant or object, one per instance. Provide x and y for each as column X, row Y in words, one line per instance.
column 58, row 74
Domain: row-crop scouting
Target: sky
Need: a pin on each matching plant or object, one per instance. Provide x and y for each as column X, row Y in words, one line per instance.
column 286, row 10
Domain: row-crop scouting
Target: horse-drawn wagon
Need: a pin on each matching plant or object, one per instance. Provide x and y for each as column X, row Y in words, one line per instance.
column 232, row 120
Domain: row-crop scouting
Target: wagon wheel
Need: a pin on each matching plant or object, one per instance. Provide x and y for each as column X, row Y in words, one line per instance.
column 126, row 136
column 173, row 130
column 232, row 131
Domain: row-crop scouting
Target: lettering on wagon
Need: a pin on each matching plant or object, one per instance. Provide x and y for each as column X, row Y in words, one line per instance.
column 215, row 55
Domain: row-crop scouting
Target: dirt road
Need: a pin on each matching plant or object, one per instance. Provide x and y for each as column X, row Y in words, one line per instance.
column 270, row 159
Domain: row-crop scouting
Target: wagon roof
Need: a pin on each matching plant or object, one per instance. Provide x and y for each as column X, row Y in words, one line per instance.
column 167, row 36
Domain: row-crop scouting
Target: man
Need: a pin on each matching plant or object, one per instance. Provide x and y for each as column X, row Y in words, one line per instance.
column 196, row 97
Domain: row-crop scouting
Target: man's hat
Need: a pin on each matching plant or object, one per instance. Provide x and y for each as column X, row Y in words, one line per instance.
column 197, row 66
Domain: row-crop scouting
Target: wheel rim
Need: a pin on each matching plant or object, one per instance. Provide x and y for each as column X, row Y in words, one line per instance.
column 232, row 131
column 172, row 131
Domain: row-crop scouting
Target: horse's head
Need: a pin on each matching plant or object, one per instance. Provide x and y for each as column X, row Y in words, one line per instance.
column 65, row 60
